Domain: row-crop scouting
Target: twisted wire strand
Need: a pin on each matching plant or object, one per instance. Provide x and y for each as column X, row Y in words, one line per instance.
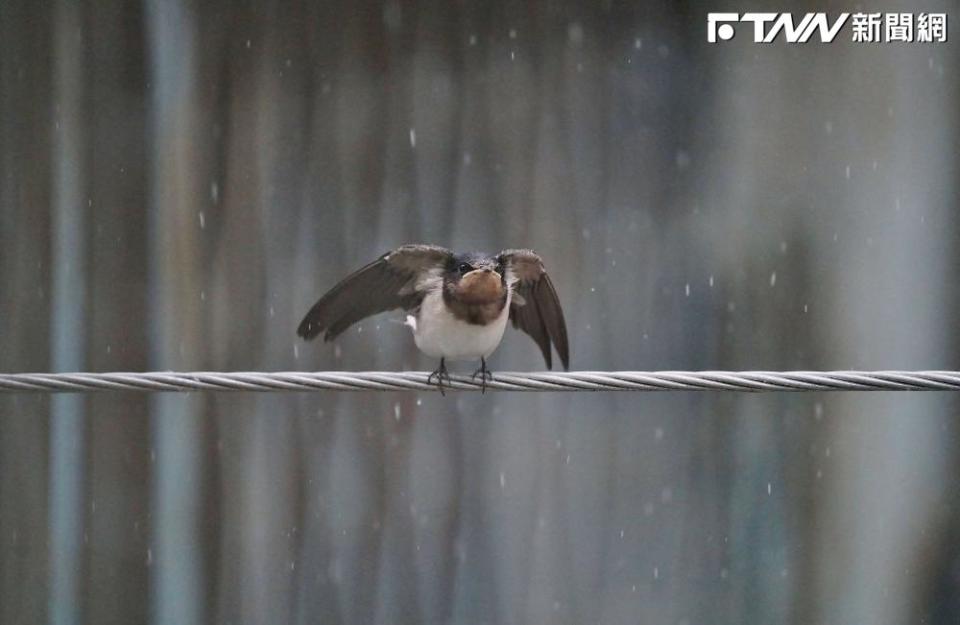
column 286, row 381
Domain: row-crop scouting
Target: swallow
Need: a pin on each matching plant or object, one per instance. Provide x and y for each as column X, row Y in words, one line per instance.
column 457, row 305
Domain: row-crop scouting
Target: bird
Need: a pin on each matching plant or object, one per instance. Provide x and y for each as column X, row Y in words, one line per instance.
column 457, row 304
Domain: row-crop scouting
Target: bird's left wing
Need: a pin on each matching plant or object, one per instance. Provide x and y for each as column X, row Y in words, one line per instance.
column 537, row 310
column 398, row 279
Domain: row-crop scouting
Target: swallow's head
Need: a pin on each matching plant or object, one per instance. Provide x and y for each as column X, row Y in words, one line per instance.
column 475, row 278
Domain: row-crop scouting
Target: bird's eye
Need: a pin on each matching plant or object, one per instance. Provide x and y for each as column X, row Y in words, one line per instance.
column 465, row 268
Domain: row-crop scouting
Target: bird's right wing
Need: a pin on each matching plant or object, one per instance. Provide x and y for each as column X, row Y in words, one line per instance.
column 398, row 279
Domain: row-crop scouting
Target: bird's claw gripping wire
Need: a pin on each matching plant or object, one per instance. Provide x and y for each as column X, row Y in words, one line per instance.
column 439, row 375
column 485, row 375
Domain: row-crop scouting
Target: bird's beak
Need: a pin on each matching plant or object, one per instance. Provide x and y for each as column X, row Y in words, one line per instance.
column 482, row 271
column 476, row 273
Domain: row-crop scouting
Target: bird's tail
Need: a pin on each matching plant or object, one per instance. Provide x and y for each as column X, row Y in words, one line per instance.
column 409, row 321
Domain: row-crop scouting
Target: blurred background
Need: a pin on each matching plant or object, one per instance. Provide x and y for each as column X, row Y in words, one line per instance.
column 181, row 180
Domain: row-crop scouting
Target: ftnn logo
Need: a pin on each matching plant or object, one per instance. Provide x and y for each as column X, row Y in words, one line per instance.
column 767, row 26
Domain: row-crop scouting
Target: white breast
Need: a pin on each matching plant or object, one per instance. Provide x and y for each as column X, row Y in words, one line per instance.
column 439, row 334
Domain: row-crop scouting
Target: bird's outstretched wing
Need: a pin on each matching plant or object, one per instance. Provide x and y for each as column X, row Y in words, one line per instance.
column 537, row 310
column 398, row 279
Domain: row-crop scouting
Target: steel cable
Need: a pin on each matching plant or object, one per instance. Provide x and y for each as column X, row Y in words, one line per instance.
column 286, row 381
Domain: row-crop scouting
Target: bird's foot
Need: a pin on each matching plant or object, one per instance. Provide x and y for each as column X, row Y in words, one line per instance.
column 440, row 375
column 485, row 375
